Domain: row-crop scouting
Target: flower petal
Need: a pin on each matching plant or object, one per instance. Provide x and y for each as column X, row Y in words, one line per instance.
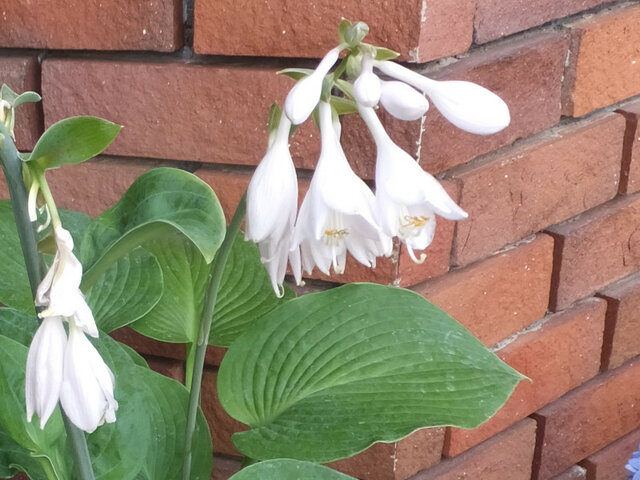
column 402, row 101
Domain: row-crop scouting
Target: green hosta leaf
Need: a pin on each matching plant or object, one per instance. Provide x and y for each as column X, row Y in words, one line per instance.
column 18, row 99
column 17, row 325
column 383, row 54
column 296, row 73
column 14, row 459
column 14, row 283
column 328, row 374
column 245, row 294
column 287, row 469
column 73, row 140
column 45, row 444
column 343, row 106
column 342, row 29
column 127, row 291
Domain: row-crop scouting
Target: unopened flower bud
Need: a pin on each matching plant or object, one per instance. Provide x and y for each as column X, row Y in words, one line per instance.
column 366, row 88
column 402, row 101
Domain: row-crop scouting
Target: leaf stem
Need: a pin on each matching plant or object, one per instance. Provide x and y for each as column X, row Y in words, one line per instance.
column 208, row 310
column 12, row 167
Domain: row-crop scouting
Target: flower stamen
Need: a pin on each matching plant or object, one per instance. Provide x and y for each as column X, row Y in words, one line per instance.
column 412, row 221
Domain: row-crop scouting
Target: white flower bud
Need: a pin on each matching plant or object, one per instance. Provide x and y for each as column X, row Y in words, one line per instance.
column 402, row 101
column 366, row 88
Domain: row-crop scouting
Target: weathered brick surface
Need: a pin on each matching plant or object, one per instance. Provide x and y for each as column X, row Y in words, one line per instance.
column 623, row 321
column 21, row 73
column 604, row 65
column 398, row 460
column 224, row 467
column 587, row 419
column 498, row 18
column 169, row 368
column 557, row 356
column 595, row 249
column 505, row 456
column 500, row 295
column 148, row 346
column 93, row 187
column 630, row 174
column 544, row 181
column 525, row 72
column 419, row 30
column 92, row 24
column 608, row 463
column 574, row 473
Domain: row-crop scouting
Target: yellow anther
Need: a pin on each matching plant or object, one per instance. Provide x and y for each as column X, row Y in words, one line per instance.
column 412, row 221
column 336, row 233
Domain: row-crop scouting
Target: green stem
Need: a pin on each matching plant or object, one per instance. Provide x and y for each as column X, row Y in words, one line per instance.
column 48, row 198
column 12, row 167
column 211, row 295
column 188, row 369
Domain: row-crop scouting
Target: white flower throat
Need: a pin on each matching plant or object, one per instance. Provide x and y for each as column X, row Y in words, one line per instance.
column 335, row 230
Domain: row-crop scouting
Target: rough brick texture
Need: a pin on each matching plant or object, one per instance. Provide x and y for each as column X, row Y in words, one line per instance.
column 594, row 249
column 498, row 296
column 604, row 64
column 92, row 24
column 420, row 30
column 608, row 463
column 574, row 473
column 587, row 419
column 630, row 174
column 507, row 455
column 513, row 194
column 497, row 18
column 22, row 73
column 525, row 72
column 574, row 337
column 623, row 322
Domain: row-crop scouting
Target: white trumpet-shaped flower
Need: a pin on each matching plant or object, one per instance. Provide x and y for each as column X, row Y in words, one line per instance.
column 366, row 88
column 86, row 394
column 59, row 292
column 403, row 101
column 272, row 202
column 44, row 369
column 305, row 95
column 337, row 214
column 407, row 197
column 467, row 105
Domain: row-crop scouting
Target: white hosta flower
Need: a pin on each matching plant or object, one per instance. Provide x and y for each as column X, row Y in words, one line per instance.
column 59, row 292
column 467, row 105
column 44, row 369
column 366, row 88
column 272, row 202
column 403, row 101
column 86, row 394
column 407, row 197
column 305, row 95
column 337, row 213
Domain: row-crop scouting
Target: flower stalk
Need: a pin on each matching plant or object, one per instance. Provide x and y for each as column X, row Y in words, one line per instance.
column 208, row 310
column 12, row 168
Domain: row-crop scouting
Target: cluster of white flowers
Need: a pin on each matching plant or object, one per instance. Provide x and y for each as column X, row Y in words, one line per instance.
column 69, row 370
column 340, row 213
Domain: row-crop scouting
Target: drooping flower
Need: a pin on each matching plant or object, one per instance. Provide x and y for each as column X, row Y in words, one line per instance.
column 407, row 197
column 45, row 362
column 633, row 466
column 337, row 214
column 86, row 394
column 305, row 95
column 59, row 292
column 272, row 202
column 366, row 88
column 402, row 101
column 467, row 105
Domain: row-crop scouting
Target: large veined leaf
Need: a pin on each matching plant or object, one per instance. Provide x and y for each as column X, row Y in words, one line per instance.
column 17, row 325
column 14, row 459
column 245, row 294
column 328, row 374
column 14, row 282
column 287, row 469
column 73, row 140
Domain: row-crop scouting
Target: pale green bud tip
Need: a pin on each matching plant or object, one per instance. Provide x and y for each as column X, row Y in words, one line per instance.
column 356, row 33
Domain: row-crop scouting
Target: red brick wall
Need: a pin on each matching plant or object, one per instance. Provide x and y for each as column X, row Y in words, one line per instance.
column 545, row 270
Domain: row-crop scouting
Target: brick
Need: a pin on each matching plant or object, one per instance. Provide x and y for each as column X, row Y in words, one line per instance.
column 224, row 124
column 630, row 174
column 608, row 463
column 595, row 249
column 500, row 295
column 398, row 460
column 94, row 186
column 547, row 179
column 525, row 72
column 168, row 368
column 224, row 467
column 574, row 473
column 92, row 25
column 221, row 425
column 21, row 73
column 148, row 346
column 623, row 321
column 507, row 455
column 569, row 343
column 419, row 30
column 498, row 18
column 587, row 419
column 603, row 64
